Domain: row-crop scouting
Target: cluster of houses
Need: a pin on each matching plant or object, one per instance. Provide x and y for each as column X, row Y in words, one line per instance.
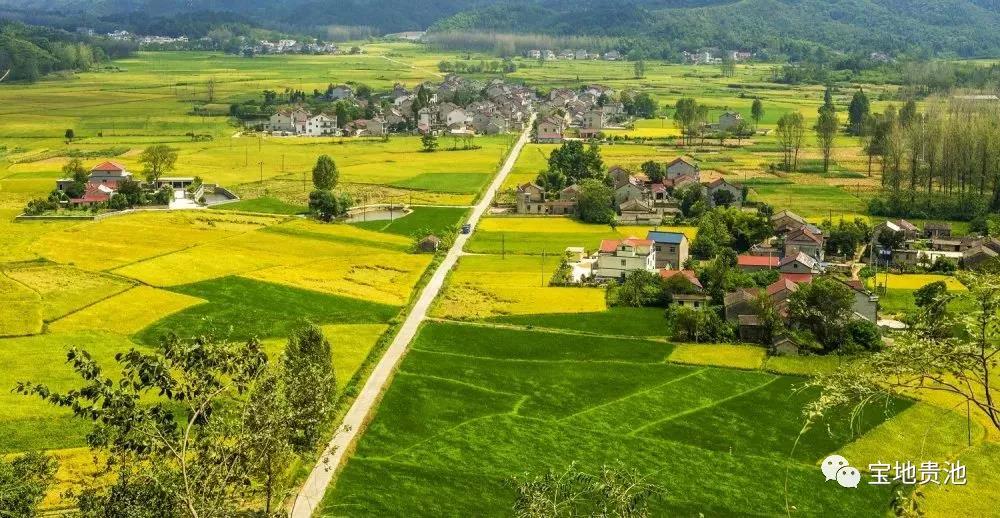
column 288, row 46
column 497, row 107
column 588, row 111
column 923, row 247
column 104, row 179
column 638, row 199
column 714, row 57
column 796, row 253
column 551, row 55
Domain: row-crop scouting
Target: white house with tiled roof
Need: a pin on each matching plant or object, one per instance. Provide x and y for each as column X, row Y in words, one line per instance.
column 617, row 258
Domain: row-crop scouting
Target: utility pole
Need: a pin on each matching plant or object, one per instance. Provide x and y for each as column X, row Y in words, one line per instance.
column 543, row 268
column 503, row 245
column 261, row 164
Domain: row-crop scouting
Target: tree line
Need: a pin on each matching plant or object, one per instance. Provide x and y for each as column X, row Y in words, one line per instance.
column 30, row 52
column 198, row 427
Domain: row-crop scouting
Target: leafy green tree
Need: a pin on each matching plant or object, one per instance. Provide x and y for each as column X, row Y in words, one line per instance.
column 324, row 173
column 858, row 110
column 118, row 201
column 699, row 325
column 132, row 192
column 74, row 169
column 908, row 113
column 756, row 111
column 173, row 427
column 653, row 170
column 825, row 308
column 24, row 479
column 551, row 181
column 826, row 132
column 70, row 135
column 686, row 116
column 269, row 434
column 639, row 289
column 692, row 200
column 790, row 133
column 429, row 142
column 157, row 160
column 595, row 201
column 577, row 163
column 327, row 205
column 962, row 363
column 615, row 491
column 769, row 319
column 310, row 386
column 639, row 69
column 723, row 198
column 932, row 302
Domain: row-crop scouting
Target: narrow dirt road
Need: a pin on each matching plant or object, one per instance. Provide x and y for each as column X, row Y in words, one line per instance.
column 311, row 494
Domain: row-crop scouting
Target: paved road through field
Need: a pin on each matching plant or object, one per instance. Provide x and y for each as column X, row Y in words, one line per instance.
column 311, row 494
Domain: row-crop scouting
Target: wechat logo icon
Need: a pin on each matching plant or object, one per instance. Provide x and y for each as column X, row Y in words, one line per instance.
column 837, row 468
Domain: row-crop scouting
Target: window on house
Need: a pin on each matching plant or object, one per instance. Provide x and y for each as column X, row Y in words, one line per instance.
column 623, row 262
column 696, row 304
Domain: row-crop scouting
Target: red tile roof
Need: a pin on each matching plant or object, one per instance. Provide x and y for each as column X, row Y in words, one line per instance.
column 689, row 274
column 610, row 245
column 758, row 260
column 797, row 277
column 803, row 234
column 108, row 166
column 781, row 285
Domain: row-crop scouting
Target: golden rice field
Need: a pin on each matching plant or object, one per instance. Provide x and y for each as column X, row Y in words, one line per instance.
column 22, row 312
column 914, row 281
column 369, row 274
column 115, row 242
column 487, row 286
column 126, row 313
column 63, row 289
column 719, row 355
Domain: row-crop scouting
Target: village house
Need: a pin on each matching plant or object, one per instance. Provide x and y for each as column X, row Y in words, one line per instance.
column 633, row 189
column 618, row 258
column 934, row 230
column 786, row 221
column 691, row 293
column 638, row 212
column 550, row 130
column 321, row 125
column 682, row 167
column 532, row 199
column 798, row 263
column 750, row 263
column 721, row 185
column 979, row 257
column 340, row 92
column 671, row 248
column 806, row 241
column 730, row 121
column 288, row 121
column 592, row 123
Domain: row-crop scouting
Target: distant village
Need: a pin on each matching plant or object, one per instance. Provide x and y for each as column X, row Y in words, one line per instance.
column 567, row 54
column 456, row 106
column 637, row 199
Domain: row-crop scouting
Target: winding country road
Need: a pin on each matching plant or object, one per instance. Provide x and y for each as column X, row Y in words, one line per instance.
column 311, row 494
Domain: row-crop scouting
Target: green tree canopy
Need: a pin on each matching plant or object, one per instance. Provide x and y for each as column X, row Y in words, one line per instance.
column 157, row 160
column 594, row 203
column 324, row 173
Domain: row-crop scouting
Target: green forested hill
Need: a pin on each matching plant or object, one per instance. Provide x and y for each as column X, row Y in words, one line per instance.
column 960, row 27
